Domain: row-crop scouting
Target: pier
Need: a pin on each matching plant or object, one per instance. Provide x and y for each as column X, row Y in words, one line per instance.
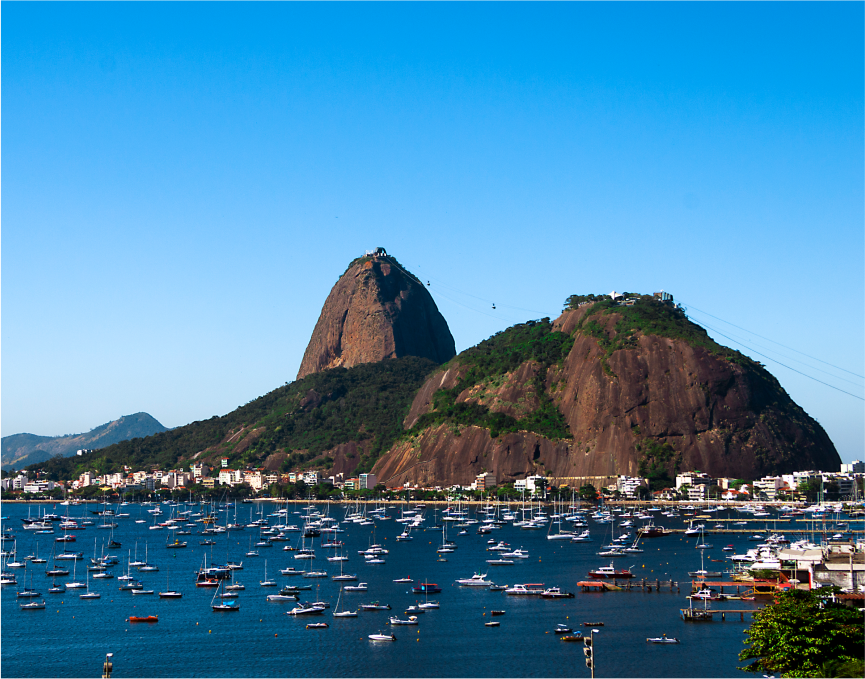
column 723, row 613
column 617, row 585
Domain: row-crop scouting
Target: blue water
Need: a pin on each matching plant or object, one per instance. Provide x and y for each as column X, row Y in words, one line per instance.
column 71, row 637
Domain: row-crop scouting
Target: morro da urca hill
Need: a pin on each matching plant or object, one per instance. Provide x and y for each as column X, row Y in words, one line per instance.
column 606, row 389
column 376, row 310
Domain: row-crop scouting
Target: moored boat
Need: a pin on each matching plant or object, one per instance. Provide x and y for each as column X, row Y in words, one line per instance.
column 662, row 640
column 412, row 620
column 426, row 588
column 611, row 572
column 382, row 637
column 33, row 606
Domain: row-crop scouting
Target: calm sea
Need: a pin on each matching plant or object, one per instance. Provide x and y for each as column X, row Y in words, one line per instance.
column 71, row 636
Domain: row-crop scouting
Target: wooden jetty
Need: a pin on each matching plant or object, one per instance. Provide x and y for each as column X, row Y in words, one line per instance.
column 760, row 588
column 687, row 613
column 628, row 585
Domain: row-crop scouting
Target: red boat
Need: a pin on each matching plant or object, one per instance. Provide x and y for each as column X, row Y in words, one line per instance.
column 611, row 573
column 145, row 618
column 209, row 582
column 426, row 588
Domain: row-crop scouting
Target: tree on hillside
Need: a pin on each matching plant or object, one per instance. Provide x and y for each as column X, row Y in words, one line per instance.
column 803, row 635
column 588, row 492
column 810, row 489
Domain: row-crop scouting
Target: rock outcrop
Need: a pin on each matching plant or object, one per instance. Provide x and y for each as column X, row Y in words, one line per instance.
column 630, row 399
column 376, row 310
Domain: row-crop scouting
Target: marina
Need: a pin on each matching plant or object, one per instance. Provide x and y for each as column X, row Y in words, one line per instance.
column 548, row 590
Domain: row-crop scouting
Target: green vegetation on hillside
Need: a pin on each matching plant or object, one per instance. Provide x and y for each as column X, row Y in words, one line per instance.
column 502, row 353
column 659, row 463
column 647, row 316
column 366, row 404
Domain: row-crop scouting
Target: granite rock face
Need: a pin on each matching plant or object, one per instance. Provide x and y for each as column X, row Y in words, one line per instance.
column 728, row 418
column 376, row 311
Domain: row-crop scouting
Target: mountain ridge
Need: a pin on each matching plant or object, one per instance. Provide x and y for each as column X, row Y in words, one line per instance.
column 19, row 450
column 607, row 388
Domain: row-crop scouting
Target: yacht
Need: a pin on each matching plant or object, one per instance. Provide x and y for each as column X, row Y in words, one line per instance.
column 477, row 580
column 611, row 572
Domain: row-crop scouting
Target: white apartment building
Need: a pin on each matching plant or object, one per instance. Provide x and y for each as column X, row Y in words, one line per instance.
column 628, row 485
column 38, row 486
column 692, row 479
column 698, row 492
column 533, row 484
column 229, row 477
column 255, row 479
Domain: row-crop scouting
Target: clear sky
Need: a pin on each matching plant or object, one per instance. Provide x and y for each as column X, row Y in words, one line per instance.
column 182, row 184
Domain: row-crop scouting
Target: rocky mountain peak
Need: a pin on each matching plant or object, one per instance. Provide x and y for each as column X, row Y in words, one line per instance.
column 376, row 310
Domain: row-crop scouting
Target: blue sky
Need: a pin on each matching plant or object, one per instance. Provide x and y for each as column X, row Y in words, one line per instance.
column 183, row 184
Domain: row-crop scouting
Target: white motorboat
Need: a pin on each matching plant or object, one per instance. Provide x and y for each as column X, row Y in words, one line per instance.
column 306, row 610
column 477, row 580
column 382, row 637
column 412, row 620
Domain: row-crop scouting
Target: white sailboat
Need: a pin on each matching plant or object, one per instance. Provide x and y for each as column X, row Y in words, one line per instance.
column 343, row 614
column 266, row 582
column 88, row 594
column 75, row 584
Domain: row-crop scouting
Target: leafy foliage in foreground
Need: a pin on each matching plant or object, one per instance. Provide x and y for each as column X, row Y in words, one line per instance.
column 502, row 353
column 804, row 635
column 365, row 403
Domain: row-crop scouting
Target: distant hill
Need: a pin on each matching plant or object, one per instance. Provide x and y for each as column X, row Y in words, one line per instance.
column 20, row 450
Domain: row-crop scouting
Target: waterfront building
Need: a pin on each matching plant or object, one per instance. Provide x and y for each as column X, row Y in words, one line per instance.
column 485, row 481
